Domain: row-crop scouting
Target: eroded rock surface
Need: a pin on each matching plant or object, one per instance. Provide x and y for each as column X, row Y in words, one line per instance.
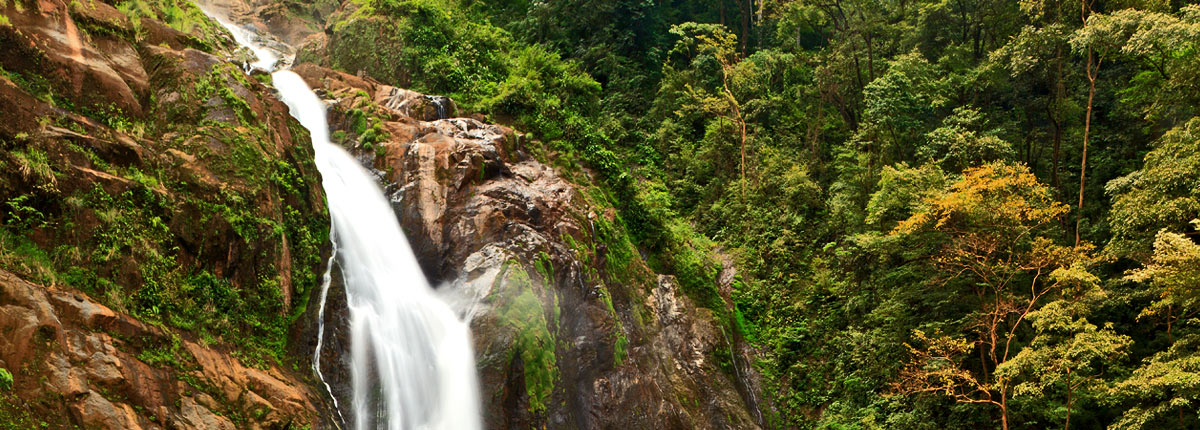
column 168, row 213
column 96, row 368
column 572, row 330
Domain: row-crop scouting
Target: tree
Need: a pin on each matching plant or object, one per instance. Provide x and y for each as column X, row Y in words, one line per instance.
column 962, row 141
column 993, row 229
column 1169, row 381
column 722, row 46
column 1093, row 71
column 1164, row 193
column 1066, row 352
column 1039, row 50
column 1162, row 48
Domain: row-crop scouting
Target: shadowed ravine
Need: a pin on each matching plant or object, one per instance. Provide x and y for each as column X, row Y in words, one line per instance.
column 412, row 358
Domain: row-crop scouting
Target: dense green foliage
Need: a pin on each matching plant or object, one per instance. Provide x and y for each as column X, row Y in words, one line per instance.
column 898, row 181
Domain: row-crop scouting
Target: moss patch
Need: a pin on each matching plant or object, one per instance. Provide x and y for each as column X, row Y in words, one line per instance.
column 535, row 341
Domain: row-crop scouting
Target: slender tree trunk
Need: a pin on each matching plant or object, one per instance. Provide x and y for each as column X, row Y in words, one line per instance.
column 737, row 114
column 870, row 58
column 1067, row 426
column 1056, row 117
column 1093, row 70
column 814, row 130
column 1087, row 126
column 1003, row 408
column 858, row 78
column 1170, row 315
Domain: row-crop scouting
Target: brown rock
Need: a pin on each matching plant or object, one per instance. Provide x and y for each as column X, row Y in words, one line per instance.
column 89, row 314
column 78, row 364
column 93, row 410
column 194, row 416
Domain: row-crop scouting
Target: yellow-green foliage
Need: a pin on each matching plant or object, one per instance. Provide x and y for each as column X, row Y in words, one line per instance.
column 6, row 379
column 181, row 15
column 15, row 414
column 35, row 166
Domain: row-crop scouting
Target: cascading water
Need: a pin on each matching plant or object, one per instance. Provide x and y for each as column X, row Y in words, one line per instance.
column 413, row 365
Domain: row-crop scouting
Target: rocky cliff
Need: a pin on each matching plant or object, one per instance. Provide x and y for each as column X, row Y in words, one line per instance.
column 571, row 328
column 161, row 225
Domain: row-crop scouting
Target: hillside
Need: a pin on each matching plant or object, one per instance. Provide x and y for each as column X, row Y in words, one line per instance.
column 714, row 214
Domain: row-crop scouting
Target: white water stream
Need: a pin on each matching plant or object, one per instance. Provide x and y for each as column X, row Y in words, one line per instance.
column 413, row 364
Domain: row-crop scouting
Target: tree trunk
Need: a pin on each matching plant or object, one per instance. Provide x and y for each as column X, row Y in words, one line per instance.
column 1067, row 426
column 1003, row 408
column 1087, row 128
column 1056, row 117
column 742, row 122
column 1092, row 72
column 870, row 58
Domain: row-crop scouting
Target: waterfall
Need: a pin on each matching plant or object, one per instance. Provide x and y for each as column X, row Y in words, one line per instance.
column 413, row 367
column 412, row 362
column 326, row 281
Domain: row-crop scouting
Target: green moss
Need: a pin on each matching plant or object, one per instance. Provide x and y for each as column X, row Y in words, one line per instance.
column 19, row 254
column 535, row 341
column 34, row 84
column 200, row 32
column 545, row 267
column 620, row 343
column 218, row 84
column 264, row 78
column 132, row 230
column 129, row 251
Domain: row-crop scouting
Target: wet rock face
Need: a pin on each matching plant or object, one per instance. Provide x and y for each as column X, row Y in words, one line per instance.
column 96, row 368
column 572, row 330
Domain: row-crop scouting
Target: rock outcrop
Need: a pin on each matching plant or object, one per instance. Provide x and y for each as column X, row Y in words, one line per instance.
column 572, row 329
column 91, row 367
column 166, row 212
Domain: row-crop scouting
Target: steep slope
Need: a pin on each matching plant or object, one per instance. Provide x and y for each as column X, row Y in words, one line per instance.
column 572, row 330
column 168, row 207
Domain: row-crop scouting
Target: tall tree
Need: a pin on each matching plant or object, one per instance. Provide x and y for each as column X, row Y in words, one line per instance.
column 1066, row 351
column 1093, row 71
column 1169, row 381
column 993, row 228
column 722, row 46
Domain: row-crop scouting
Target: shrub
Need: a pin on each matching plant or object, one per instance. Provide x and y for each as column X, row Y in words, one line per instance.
column 6, row 379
